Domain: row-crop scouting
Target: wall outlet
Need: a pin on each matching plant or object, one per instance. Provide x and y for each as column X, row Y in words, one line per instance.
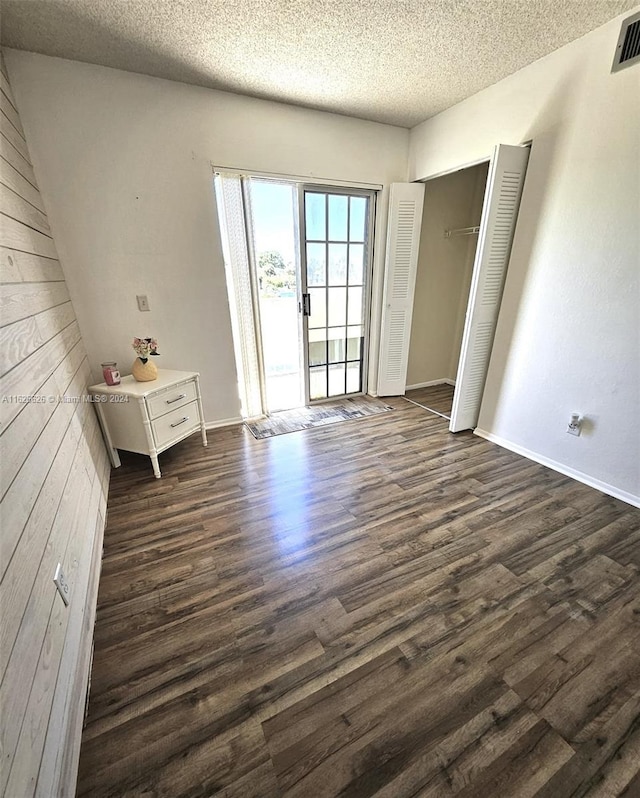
column 62, row 584
column 574, row 425
column 143, row 302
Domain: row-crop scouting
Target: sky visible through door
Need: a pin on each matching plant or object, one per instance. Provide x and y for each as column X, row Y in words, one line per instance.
column 273, row 211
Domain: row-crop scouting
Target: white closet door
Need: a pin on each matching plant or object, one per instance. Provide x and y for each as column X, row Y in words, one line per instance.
column 499, row 214
column 403, row 239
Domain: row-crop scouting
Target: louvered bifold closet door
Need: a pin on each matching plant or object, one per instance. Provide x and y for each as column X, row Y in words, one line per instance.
column 499, row 215
column 403, row 239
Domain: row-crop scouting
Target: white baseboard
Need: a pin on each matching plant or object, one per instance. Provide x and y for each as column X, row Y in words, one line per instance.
column 444, row 381
column 604, row 487
column 223, row 422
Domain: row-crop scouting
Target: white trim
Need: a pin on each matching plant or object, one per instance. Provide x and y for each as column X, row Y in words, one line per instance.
column 311, row 179
column 430, row 384
column 604, row 487
column 224, row 422
column 428, row 409
column 468, row 165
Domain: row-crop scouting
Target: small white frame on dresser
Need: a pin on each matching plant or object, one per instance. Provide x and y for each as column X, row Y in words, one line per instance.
column 149, row 417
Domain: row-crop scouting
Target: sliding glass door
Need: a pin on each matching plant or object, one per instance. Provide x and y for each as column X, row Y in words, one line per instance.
column 298, row 266
column 336, row 266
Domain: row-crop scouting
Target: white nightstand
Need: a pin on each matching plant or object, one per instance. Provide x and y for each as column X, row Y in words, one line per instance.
column 149, row 417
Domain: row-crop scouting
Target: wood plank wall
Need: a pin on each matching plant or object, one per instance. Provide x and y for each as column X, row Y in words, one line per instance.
column 54, row 477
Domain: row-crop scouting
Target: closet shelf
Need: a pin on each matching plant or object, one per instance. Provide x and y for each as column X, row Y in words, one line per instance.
column 461, row 231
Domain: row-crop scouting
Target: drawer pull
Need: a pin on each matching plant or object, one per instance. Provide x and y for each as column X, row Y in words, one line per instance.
column 177, row 399
column 182, row 420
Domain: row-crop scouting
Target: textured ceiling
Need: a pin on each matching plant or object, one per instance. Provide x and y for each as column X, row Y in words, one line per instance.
column 395, row 61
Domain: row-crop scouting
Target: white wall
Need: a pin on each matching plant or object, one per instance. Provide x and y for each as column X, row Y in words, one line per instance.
column 443, row 275
column 124, row 165
column 568, row 334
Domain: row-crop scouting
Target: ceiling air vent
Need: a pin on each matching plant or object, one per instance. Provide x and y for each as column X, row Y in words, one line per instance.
column 628, row 47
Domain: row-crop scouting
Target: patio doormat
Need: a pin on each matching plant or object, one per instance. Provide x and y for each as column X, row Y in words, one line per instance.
column 316, row 416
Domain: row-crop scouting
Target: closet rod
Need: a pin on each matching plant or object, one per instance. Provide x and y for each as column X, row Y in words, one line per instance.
column 461, row 231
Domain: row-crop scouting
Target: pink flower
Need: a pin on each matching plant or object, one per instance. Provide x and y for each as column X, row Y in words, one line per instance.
column 144, row 347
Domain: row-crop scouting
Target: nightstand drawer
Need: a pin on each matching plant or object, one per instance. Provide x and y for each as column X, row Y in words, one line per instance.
column 172, row 399
column 176, row 424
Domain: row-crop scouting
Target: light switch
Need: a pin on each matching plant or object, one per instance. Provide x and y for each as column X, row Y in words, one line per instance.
column 143, row 302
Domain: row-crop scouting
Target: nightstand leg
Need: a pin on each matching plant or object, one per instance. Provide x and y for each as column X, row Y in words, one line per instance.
column 156, row 465
column 146, row 423
column 203, row 429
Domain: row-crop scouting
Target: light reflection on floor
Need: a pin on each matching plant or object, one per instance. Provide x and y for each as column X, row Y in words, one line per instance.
column 287, row 458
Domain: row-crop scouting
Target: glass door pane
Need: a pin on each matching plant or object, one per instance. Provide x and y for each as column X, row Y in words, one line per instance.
column 274, row 219
column 335, row 245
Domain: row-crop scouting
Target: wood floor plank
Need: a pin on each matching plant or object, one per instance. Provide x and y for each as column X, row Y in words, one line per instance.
column 377, row 608
column 361, row 750
column 524, row 767
column 590, row 764
column 438, row 398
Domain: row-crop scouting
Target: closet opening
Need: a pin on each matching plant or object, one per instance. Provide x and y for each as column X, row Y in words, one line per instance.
column 451, row 217
column 435, row 332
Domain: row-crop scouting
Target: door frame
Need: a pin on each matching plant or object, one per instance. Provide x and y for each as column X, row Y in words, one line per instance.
column 474, row 277
column 464, row 300
column 351, row 191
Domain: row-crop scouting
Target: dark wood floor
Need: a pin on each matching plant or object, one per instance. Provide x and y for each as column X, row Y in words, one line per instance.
column 378, row 608
column 437, row 398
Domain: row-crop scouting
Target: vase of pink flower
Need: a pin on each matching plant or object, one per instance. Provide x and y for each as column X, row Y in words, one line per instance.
column 144, row 369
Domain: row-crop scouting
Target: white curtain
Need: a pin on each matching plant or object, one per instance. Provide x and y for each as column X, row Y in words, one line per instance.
column 234, row 219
